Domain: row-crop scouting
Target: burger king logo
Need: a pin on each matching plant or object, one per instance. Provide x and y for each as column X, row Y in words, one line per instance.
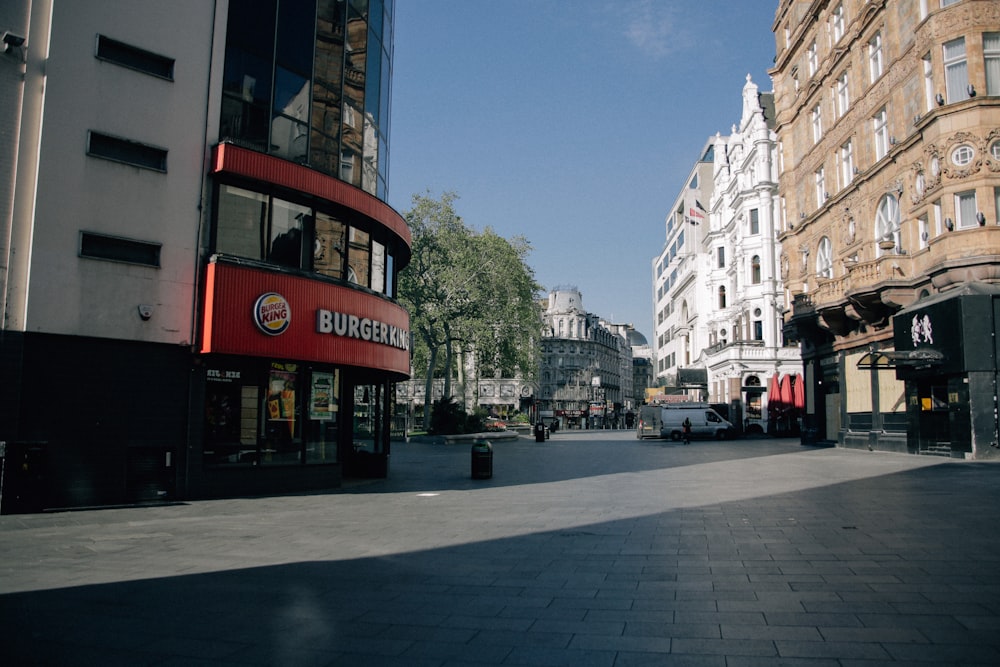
column 271, row 313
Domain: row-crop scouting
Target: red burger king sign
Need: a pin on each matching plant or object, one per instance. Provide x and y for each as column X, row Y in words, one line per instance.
column 271, row 313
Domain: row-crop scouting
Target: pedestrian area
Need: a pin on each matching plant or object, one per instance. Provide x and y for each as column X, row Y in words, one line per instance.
column 592, row 548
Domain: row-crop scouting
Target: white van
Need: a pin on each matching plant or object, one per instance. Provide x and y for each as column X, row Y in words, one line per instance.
column 649, row 424
column 705, row 422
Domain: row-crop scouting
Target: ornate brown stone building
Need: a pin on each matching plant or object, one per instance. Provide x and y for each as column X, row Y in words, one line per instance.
column 888, row 122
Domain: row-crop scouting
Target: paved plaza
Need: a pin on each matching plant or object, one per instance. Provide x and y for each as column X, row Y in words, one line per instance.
column 592, row 548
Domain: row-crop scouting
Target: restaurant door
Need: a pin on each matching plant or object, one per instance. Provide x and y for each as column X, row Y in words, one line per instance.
column 366, row 451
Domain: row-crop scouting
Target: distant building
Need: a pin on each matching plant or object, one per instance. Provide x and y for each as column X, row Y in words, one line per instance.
column 887, row 121
column 582, row 366
column 642, row 365
column 718, row 295
column 681, row 295
column 634, row 343
column 746, row 348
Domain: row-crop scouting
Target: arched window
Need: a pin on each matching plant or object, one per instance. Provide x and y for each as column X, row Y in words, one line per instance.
column 824, row 258
column 755, row 269
column 722, row 296
column 887, row 223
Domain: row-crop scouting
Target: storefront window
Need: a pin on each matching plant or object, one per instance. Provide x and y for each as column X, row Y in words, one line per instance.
column 286, row 233
column 378, row 267
column 282, row 417
column 390, row 290
column 324, row 413
column 231, row 408
column 369, row 421
column 276, row 414
column 242, row 215
column 358, row 257
column 255, row 226
column 329, row 246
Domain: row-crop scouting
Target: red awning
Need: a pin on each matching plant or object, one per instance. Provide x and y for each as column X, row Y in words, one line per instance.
column 774, row 395
column 799, row 393
column 787, row 399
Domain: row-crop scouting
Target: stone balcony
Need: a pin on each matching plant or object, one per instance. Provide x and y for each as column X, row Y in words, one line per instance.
column 868, row 293
column 748, row 351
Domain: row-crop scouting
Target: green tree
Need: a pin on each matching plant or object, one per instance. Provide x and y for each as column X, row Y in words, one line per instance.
column 470, row 289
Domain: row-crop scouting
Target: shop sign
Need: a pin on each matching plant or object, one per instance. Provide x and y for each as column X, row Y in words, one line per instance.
column 216, row 375
column 362, row 328
column 248, row 312
column 271, row 314
column 936, row 330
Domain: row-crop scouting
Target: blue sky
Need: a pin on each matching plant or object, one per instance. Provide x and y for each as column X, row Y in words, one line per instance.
column 572, row 123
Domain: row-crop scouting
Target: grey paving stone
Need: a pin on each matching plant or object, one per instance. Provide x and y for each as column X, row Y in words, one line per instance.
column 727, row 647
column 592, row 550
column 829, row 649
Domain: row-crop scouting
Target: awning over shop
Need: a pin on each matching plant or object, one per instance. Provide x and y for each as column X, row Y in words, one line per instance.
column 923, row 358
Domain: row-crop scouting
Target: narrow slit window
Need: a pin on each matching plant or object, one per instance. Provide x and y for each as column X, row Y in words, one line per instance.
column 135, row 58
column 134, row 153
column 118, row 249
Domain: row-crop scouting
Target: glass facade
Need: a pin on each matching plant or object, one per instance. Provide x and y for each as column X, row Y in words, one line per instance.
column 280, row 413
column 256, row 226
column 306, row 82
column 309, row 81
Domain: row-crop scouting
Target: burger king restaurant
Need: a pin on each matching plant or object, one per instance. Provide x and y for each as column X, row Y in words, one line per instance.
column 296, row 379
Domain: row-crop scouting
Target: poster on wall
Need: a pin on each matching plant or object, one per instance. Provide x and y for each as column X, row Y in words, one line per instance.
column 281, row 395
column 323, row 398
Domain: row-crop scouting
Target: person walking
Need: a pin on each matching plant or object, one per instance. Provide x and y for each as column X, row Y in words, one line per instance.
column 687, row 430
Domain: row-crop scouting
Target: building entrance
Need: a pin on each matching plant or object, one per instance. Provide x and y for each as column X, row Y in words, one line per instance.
column 933, row 429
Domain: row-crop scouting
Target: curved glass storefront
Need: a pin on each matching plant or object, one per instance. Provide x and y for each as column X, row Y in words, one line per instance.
column 309, row 81
column 302, row 339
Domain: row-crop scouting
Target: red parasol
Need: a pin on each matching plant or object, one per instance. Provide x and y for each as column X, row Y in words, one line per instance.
column 787, row 399
column 799, row 393
column 774, row 395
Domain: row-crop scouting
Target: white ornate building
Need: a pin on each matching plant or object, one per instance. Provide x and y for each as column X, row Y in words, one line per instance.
column 719, row 298
column 746, row 346
column 680, row 299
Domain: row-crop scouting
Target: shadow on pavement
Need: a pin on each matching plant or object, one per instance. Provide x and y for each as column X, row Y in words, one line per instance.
column 901, row 567
column 565, row 456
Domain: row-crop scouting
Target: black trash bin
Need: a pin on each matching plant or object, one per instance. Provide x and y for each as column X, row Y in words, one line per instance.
column 539, row 432
column 482, row 460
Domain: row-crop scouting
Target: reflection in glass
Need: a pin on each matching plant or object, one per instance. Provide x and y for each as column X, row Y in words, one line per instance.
column 329, row 246
column 247, row 73
column 242, row 217
column 358, row 257
column 229, row 406
column 390, row 290
column 369, row 165
column 370, row 410
column 328, row 64
column 324, row 410
column 282, row 417
column 310, row 81
column 378, row 267
column 289, row 126
column 286, row 233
